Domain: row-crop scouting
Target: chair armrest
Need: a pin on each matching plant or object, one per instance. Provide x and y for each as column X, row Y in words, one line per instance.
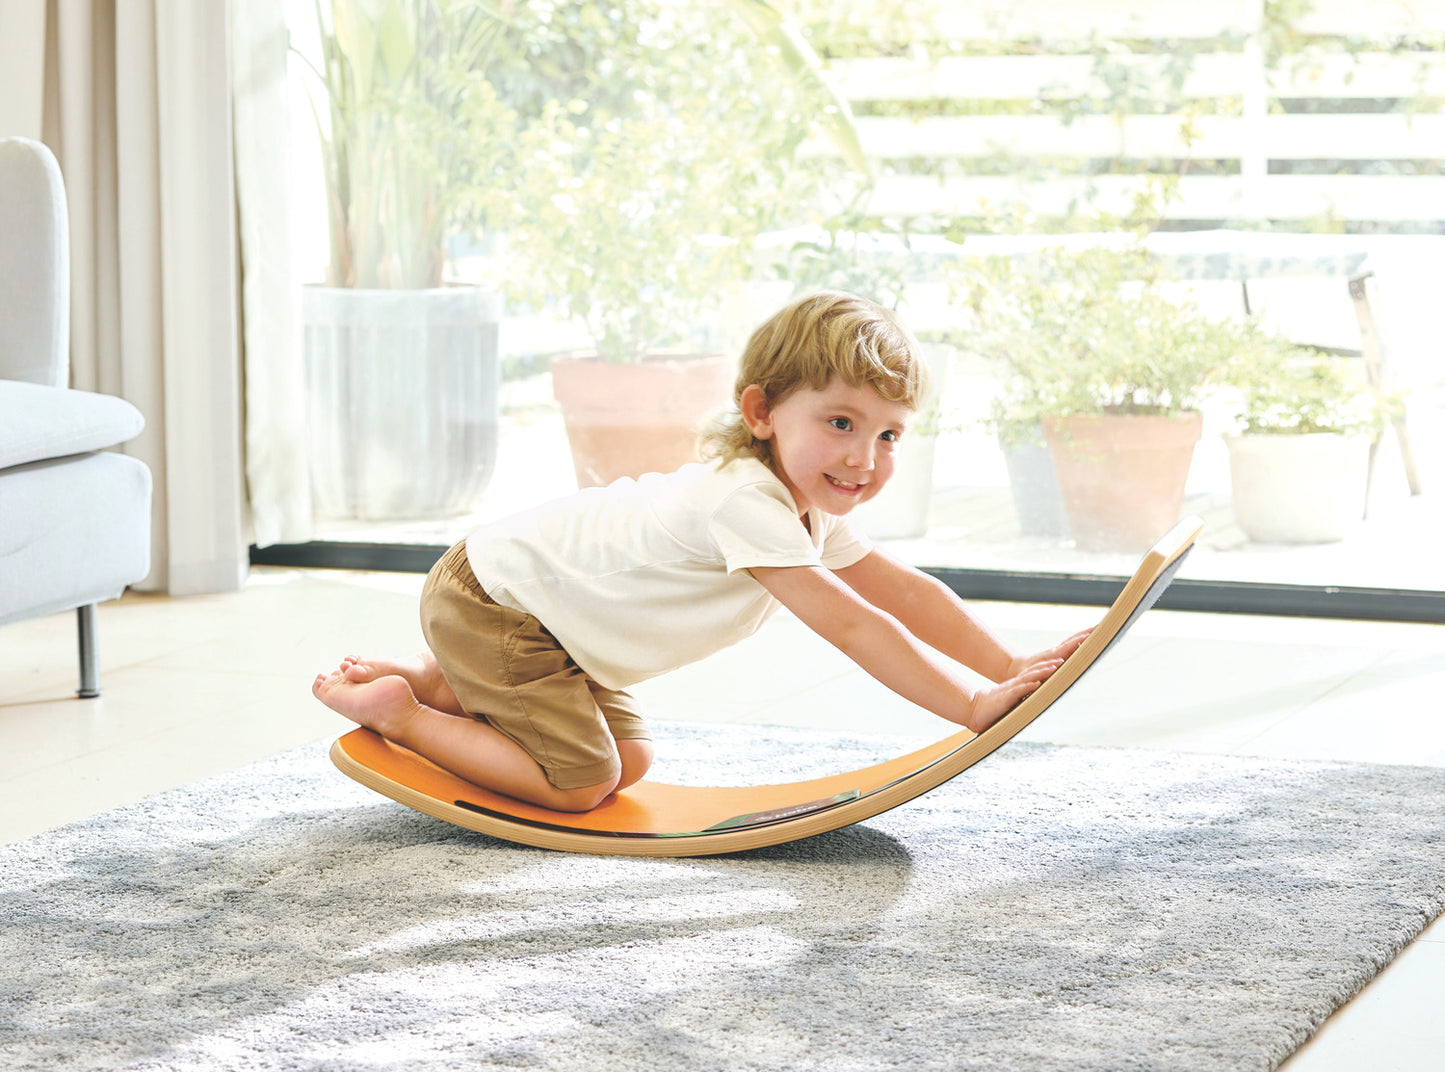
column 39, row 422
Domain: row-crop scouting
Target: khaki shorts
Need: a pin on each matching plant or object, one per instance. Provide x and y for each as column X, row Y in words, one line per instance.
column 506, row 669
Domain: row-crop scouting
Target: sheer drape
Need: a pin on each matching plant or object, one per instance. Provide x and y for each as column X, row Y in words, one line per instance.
column 277, row 477
column 134, row 100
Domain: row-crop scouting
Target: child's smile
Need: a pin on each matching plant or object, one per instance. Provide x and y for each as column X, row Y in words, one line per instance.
column 833, row 448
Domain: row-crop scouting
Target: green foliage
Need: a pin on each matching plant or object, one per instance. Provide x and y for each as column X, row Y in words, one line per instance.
column 610, row 225
column 412, row 133
column 1290, row 390
column 805, row 69
column 849, row 28
column 1091, row 332
column 630, row 153
column 870, row 258
column 642, row 193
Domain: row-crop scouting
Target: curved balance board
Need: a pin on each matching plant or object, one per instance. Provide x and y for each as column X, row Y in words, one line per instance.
column 655, row 819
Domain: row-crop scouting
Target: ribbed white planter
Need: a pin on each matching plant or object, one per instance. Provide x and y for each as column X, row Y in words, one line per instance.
column 1298, row 488
column 402, row 399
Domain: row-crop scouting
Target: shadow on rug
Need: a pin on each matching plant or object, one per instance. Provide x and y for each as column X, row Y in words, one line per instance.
column 1054, row 908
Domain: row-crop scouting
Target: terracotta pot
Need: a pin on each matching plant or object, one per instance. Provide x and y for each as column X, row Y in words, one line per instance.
column 1122, row 476
column 638, row 417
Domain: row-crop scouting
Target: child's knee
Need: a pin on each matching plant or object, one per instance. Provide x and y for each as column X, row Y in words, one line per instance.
column 583, row 798
column 636, row 755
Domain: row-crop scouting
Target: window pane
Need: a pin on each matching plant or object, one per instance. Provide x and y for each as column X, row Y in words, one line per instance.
column 1079, row 210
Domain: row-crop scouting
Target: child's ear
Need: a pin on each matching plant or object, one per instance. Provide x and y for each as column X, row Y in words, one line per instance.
column 757, row 414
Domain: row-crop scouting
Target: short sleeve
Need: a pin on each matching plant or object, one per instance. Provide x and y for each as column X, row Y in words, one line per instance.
column 757, row 525
column 843, row 545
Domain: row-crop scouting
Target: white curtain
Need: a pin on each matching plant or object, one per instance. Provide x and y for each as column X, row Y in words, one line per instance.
column 277, row 475
column 134, row 99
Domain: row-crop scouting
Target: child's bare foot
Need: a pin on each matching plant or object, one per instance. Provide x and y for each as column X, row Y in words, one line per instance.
column 384, row 704
column 420, row 671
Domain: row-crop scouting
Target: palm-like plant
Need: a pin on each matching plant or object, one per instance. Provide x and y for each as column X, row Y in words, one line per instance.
column 411, row 133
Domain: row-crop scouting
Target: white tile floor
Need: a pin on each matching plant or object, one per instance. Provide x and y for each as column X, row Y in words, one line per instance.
column 196, row 686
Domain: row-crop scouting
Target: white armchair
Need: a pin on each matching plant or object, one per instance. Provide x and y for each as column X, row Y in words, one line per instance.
column 74, row 516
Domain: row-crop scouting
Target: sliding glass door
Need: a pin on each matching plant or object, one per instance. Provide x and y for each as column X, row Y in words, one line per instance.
column 1153, row 223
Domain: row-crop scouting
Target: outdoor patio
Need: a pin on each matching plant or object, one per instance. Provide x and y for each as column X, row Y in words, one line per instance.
column 974, row 524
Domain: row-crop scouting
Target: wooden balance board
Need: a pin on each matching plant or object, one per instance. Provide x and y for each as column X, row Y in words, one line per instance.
column 655, row 819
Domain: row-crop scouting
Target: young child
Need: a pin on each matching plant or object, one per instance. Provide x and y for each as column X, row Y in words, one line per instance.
column 536, row 623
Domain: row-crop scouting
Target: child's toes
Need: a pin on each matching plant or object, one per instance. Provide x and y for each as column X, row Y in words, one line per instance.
column 357, row 671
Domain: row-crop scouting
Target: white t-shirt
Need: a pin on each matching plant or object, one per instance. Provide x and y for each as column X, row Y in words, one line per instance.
column 644, row 576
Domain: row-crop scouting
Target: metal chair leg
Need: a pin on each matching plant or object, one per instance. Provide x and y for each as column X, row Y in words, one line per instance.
column 1373, row 354
column 89, row 666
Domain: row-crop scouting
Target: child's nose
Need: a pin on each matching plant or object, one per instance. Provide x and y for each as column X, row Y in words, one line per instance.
column 861, row 457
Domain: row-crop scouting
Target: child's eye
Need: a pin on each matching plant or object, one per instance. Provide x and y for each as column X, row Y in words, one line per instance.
column 843, row 424
column 889, row 436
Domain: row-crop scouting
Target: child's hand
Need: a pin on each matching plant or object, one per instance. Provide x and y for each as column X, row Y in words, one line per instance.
column 1026, row 673
column 991, row 704
column 1060, row 651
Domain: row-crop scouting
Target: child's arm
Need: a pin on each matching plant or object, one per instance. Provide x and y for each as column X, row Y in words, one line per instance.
column 882, row 645
column 929, row 610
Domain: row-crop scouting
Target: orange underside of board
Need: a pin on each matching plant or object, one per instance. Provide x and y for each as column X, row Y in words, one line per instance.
column 647, row 809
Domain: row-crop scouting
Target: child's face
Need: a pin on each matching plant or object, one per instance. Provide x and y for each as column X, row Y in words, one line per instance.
column 833, row 448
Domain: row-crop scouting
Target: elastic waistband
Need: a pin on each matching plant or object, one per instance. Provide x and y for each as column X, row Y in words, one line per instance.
column 456, row 563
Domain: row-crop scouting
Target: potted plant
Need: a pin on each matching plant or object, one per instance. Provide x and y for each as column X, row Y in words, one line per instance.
column 1005, row 309
column 401, row 367
column 1299, row 461
column 640, row 209
column 1113, row 372
column 614, row 244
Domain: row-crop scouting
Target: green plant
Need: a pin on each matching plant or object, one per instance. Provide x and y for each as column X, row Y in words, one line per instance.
column 1092, row 332
column 645, row 190
column 1289, row 390
column 871, row 258
column 414, row 140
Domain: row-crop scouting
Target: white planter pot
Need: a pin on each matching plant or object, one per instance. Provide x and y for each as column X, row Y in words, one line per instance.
column 901, row 510
column 402, row 399
column 1298, row 488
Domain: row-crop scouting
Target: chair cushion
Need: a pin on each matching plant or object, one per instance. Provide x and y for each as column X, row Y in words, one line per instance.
column 39, row 422
column 72, row 531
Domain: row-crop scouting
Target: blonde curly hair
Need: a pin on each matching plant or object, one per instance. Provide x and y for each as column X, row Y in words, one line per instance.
column 805, row 344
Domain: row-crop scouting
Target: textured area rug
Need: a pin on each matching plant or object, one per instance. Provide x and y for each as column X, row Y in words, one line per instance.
column 1053, row 908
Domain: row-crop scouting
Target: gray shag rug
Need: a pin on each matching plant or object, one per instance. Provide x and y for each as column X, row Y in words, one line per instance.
column 1052, row 908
